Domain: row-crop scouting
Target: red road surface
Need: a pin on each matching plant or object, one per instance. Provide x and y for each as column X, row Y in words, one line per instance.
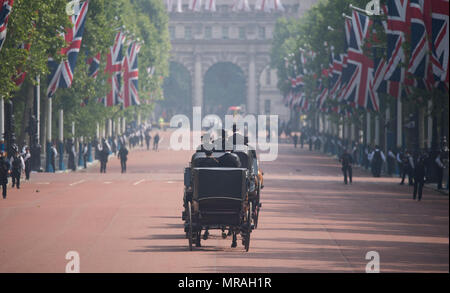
column 310, row 221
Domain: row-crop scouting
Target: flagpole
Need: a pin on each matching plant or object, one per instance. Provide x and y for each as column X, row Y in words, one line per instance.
column 2, row 118
column 49, row 167
column 399, row 123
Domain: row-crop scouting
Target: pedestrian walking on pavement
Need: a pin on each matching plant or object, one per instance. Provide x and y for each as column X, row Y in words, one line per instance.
column 390, row 162
column 5, row 170
column 407, row 168
column 85, row 155
column 123, row 156
column 156, row 142
column 377, row 158
column 27, row 161
column 295, row 138
column 17, row 166
column 302, row 139
column 419, row 175
column 347, row 162
column 104, row 150
column 148, row 138
column 440, row 170
column 54, row 154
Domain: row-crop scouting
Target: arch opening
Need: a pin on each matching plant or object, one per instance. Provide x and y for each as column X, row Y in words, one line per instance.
column 224, row 86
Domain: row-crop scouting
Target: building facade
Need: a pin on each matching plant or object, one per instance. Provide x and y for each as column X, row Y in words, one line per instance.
column 204, row 38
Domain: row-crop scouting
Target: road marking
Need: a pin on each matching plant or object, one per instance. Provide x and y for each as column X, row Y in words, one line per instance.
column 107, row 182
column 78, row 182
column 138, row 182
column 43, row 183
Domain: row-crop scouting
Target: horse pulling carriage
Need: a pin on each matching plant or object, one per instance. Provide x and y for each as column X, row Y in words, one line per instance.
column 223, row 198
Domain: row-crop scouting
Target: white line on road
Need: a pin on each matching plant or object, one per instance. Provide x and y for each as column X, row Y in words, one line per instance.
column 138, row 182
column 43, row 183
column 78, row 182
column 107, row 182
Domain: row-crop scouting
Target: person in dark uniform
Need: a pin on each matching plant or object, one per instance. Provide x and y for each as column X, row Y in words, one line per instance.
column 209, row 161
column 123, row 156
column 230, row 160
column 5, row 170
column 148, row 138
column 407, row 168
column 295, row 138
column 302, row 139
column 390, row 162
column 27, row 161
column 419, row 175
column 104, row 154
column 377, row 158
column 70, row 150
column 85, row 154
column 347, row 161
column 156, row 142
column 440, row 170
column 17, row 165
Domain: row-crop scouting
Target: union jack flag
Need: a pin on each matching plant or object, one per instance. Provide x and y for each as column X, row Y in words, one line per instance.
column 131, row 75
column 438, row 29
column 195, row 5
column 239, row 5
column 336, row 73
column 358, row 88
column 397, row 30
column 210, row 5
column 348, row 69
column 61, row 75
column 321, row 98
column 419, row 65
column 5, row 11
column 114, row 69
column 94, row 65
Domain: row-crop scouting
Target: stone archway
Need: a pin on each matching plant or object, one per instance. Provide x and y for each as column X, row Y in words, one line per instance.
column 224, row 85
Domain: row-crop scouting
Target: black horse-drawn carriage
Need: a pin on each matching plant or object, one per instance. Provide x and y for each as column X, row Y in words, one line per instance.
column 224, row 198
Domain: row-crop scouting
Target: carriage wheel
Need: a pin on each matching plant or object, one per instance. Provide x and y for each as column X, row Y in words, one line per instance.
column 190, row 226
column 249, row 228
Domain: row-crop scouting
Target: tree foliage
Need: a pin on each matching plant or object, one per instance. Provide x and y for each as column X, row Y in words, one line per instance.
column 40, row 23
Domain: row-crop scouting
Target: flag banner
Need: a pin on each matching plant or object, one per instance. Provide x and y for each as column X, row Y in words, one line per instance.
column 114, row 69
column 61, row 75
column 263, row 5
column 5, row 11
column 94, row 65
column 240, row 5
column 397, row 30
column 210, row 5
column 357, row 90
column 195, row 5
column 437, row 25
column 419, row 66
column 130, row 76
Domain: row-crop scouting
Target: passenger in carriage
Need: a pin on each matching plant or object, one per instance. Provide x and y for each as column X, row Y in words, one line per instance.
column 230, row 160
column 209, row 161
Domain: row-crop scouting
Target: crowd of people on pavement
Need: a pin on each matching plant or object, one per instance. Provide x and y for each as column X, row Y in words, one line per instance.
column 420, row 165
column 18, row 163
